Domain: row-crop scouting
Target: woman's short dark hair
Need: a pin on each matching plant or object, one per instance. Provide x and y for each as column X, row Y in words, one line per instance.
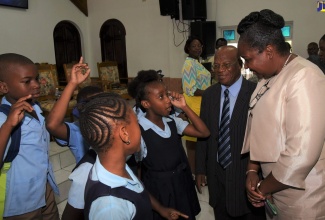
column 189, row 41
column 259, row 29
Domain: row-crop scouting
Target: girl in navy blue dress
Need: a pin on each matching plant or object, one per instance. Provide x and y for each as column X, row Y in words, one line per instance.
column 165, row 171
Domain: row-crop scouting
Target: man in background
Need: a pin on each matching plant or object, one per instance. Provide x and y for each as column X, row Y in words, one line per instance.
column 322, row 53
column 312, row 50
column 221, row 42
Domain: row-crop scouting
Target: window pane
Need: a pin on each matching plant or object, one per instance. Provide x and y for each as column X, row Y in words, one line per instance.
column 229, row 34
column 286, row 31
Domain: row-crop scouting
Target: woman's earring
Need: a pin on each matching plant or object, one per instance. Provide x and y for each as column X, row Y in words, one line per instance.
column 128, row 142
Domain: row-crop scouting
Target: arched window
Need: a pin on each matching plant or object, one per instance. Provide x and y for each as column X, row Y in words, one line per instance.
column 67, row 46
column 113, row 47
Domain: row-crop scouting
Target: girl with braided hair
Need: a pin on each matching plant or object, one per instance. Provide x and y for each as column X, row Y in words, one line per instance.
column 165, row 170
column 112, row 191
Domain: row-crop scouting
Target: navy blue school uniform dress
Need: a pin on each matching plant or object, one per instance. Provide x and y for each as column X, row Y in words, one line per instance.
column 166, row 173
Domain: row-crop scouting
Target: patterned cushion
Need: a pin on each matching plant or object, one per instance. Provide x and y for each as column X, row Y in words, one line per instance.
column 54, row 74
column 47, row 82
column 120, row 91
column 110, row 74
column 48, row 104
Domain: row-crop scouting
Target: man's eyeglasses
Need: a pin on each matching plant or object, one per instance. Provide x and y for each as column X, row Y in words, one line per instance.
column 259, row 94
column 226, row 66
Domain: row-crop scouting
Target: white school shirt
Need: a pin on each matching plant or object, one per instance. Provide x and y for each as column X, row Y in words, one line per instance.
column 110, row 207
column 79, row 179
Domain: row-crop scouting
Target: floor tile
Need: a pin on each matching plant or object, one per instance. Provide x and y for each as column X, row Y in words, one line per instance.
column 61, row 176
column 67, row 158
column 61, row 207
column 70, row 168
column 64, row 191
column 56, row 149
column 206, row 210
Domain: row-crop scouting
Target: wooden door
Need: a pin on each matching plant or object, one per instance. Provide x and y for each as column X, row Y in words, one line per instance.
column 113, row 47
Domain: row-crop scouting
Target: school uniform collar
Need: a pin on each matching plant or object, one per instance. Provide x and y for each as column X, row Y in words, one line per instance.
column 110, row 179
column 147, row 124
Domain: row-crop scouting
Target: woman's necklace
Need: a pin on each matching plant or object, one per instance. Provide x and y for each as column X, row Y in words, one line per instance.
column 265, row 87
column 286, row 62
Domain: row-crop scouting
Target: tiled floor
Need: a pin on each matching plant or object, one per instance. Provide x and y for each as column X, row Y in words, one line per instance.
column 206, row 210
column 63, row 163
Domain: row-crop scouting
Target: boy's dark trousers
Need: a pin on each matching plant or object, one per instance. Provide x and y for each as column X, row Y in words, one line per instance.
column 48, row 212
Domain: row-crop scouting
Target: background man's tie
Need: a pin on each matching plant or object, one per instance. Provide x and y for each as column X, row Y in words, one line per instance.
column 224, row 153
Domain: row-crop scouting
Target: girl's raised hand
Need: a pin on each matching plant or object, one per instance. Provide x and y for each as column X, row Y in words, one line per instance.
column 176, row 99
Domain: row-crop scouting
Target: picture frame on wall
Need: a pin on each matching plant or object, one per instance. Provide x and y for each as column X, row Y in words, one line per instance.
column 82, row 5
column 15, row 3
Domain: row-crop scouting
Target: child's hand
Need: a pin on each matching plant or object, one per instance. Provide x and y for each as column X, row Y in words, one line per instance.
column 79, row 72
column 176, row 99
column 18, row 109
column 170, row 214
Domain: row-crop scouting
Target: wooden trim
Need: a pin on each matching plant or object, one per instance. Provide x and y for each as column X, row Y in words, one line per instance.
column 82, row 5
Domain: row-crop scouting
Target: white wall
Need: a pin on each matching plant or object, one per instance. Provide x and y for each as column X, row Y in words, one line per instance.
column 308, row 23
column 149, row 36
column 30, row 32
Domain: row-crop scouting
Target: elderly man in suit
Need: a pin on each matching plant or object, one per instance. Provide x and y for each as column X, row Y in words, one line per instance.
column 224, row 110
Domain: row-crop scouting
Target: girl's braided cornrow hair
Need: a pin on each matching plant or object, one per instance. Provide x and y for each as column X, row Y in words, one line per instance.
column 99, row 118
